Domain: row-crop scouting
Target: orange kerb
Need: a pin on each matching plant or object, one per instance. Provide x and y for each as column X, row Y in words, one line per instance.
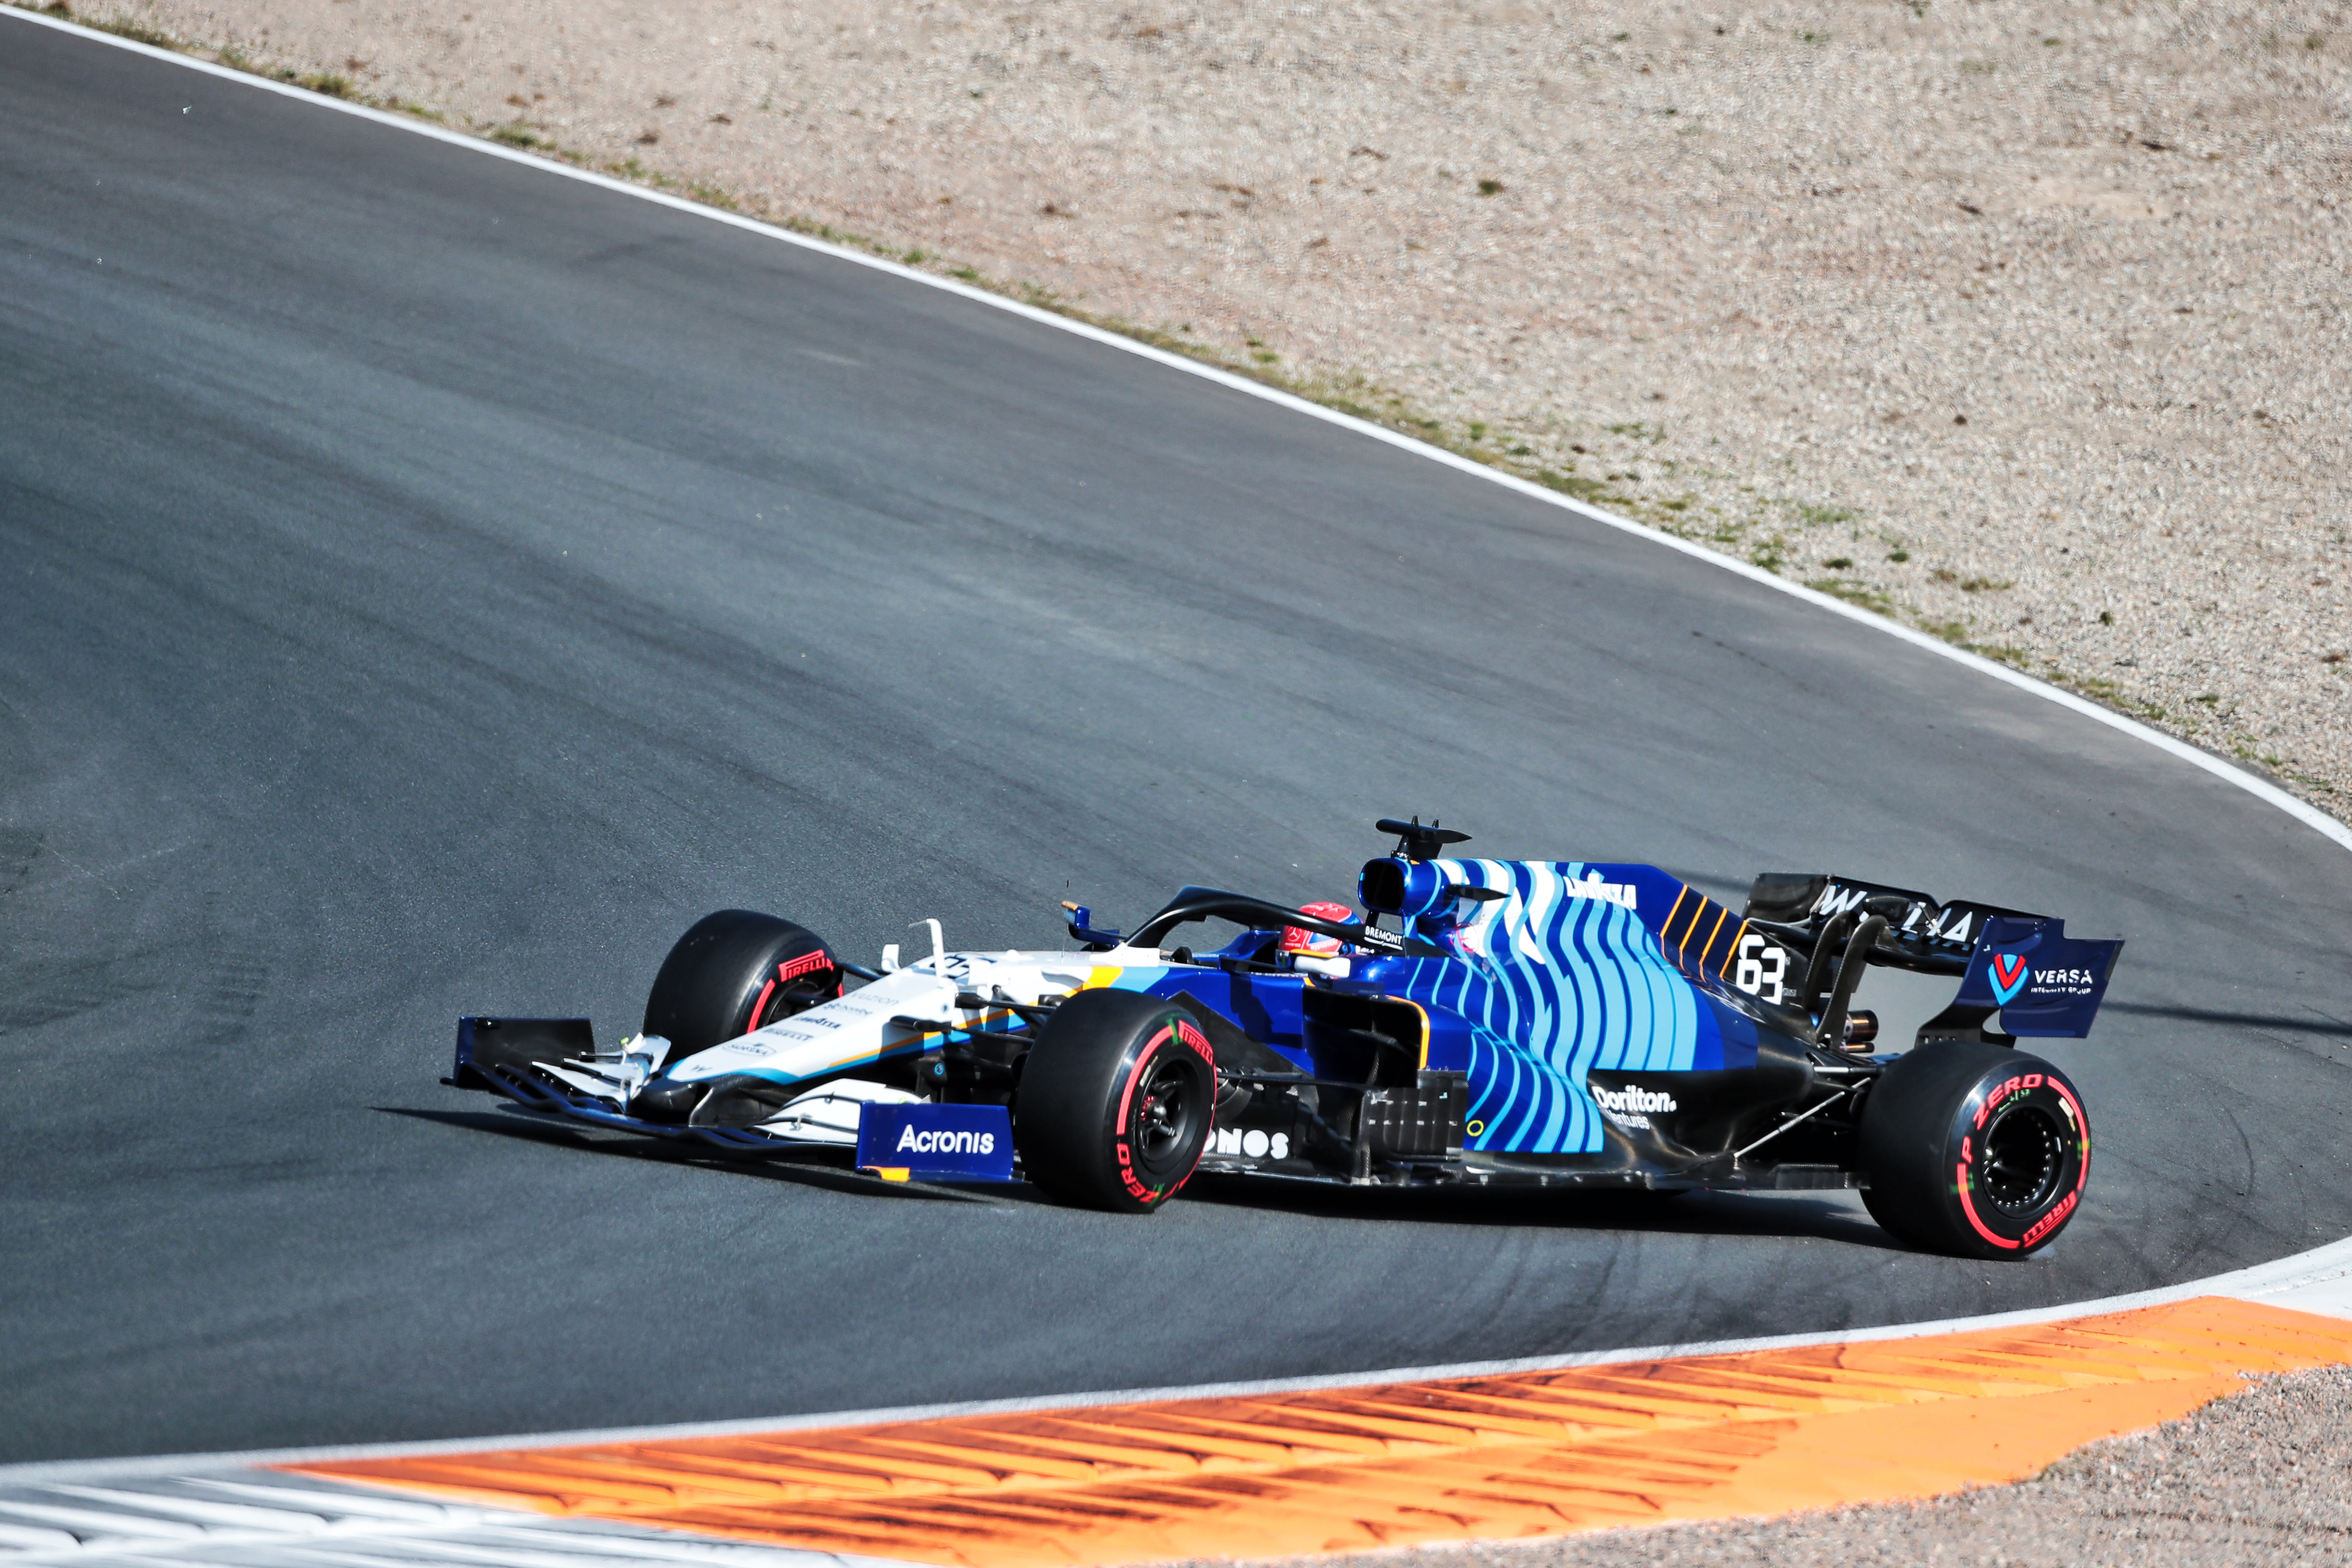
column 1536, row 1453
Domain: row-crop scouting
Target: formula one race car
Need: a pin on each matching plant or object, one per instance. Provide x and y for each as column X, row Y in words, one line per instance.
column 1540, row 1023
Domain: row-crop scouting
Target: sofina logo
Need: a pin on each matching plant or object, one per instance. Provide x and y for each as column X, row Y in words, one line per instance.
column 2008, row 976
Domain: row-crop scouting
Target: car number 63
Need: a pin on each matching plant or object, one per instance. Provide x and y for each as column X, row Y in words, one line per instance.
column 1760, row 967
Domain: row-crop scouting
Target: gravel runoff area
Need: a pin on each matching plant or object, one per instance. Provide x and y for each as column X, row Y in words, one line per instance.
column 2262, row 1477
column 2023, row 321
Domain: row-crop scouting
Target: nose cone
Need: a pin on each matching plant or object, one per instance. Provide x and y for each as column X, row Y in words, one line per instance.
column 664, row 1100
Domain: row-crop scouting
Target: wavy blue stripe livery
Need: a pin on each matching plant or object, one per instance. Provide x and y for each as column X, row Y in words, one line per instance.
column 1579, row 966
column 1570, row 963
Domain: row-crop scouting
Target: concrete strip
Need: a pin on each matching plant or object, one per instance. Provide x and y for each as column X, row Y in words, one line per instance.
column 262, row 1520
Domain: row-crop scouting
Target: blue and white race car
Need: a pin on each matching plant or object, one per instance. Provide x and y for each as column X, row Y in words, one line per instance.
column 1531, row 1022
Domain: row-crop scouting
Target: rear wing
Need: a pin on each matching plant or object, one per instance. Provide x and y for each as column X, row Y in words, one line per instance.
column 2044, row 984
column 1921, row 934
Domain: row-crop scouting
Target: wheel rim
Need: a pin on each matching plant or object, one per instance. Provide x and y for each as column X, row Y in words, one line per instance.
column 1166, row 1107
column 2022, row 1160
column 777, row 1002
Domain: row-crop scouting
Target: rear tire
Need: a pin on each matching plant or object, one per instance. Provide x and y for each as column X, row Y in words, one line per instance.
column 735, row 971
column 1890, row 1219
column 1115, row 1101
column 1977, row 1151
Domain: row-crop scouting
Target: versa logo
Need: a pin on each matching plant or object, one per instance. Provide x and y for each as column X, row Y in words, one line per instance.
column 2008, row 976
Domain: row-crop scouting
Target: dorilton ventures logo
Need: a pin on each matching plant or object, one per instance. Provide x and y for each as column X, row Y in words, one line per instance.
column 1632, row 1104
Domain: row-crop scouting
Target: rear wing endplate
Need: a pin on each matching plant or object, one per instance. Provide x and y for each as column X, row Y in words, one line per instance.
column 2046, row 984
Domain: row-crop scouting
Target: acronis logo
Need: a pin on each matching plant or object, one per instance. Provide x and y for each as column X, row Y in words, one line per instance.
column 973, row 1142
column 942, row 1141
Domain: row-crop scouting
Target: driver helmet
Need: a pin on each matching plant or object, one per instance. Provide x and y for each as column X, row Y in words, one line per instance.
column 1298, row 940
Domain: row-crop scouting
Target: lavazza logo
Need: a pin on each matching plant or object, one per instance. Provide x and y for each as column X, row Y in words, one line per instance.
column 1632, row 1104
column 1592, row 887
column 937, row 1141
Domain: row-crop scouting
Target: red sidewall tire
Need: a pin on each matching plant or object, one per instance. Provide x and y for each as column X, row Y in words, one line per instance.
column 1978, row 1150
column 732, row 972
column 1149, row 1180
column 1116, row 1101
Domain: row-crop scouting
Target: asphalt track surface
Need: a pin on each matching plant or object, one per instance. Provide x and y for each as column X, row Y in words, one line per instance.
column 427, row 585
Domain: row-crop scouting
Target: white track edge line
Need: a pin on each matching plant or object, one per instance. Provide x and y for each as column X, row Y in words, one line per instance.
column 2276, row 1274
column 2330, row 1262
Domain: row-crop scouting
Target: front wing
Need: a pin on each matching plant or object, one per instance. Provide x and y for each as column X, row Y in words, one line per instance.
column 898, row 1141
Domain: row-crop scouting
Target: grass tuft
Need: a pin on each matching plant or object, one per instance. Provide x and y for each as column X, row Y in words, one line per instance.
column 1853, row 591
column 1574, row 485
column 122, row 27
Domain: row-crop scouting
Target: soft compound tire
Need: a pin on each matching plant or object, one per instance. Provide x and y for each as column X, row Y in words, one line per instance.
column 1889, row 1218
column 1115, row 1101
column 732, row 972
column 1973, row 1149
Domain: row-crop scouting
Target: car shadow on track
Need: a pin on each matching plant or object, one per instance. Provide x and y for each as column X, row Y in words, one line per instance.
column 1826, row 1215
column 1832, row 1217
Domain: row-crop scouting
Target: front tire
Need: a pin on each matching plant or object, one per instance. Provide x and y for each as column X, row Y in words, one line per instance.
column 1977, row 1151
column 737, row 971
column 1115, row 1101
